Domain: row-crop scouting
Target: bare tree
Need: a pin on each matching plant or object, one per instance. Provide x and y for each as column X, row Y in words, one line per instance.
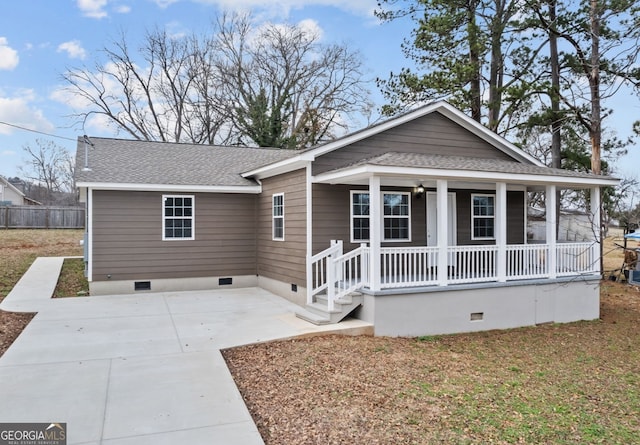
column 221, row 88
column 49, row 166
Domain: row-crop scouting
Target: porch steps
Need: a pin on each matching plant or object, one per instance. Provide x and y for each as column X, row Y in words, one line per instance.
column 319, row 314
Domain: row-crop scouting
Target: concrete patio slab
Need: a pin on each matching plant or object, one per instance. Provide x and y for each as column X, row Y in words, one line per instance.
column 244, row 433
column 45, row 341
column 140, row 369
column 71, row 392
column 160, row 394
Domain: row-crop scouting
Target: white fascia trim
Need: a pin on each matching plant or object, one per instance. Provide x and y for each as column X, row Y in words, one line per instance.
column 368, row 170
column 251, row 189
column 284, row 166
column 13, row 187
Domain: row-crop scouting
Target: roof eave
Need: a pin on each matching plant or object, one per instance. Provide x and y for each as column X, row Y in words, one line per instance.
column 363, row 171
column 277, row 168
column 249, row 189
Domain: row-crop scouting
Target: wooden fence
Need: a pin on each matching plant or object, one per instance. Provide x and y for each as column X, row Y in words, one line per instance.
column 41, row 217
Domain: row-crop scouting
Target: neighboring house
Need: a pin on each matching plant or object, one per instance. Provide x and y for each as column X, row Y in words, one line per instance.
column 427, row 210
column 575, row 225
column 10, row 195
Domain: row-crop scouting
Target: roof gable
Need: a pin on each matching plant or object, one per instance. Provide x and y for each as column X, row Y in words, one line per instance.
column 467, row 126
column 429, row 134
column 11, row 187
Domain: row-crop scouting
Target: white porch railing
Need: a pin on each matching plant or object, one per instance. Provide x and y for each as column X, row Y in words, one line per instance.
column 339, row 274
column 582, row 258
column 408, row 266
column 320, row 263
column 472, row 264
column 527, row 261
column 351, row 273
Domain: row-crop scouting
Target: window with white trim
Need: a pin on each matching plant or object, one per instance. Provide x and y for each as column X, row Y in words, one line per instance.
column 483, row 213
column 359, row 217
column 396, row 211
column 278, row 216
column 396, row 216
column 178, row 217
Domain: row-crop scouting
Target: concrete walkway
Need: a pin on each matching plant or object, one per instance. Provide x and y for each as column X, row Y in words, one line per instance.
column 139, row 369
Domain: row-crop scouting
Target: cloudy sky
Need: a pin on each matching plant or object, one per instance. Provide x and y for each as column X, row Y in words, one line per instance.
column 40, row 39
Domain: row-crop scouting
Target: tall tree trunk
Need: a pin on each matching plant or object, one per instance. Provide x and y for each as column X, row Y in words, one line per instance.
column 595, row 132
column 556, row 160
column 496, row 69
column 556, row 124
column 474, row 61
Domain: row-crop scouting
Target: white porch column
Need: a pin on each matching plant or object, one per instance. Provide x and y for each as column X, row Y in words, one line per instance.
column 443, row 235
column 597, row 229
column 551, row 221
column 375, row 232
column 501, row 230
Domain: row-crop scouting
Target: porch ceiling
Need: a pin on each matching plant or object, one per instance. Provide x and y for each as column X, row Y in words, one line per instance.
column 411, row 169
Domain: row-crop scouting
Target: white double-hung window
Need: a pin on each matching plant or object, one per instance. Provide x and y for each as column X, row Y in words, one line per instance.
column 483, row 214
column 359, row 217
column 178, row 217
column 396, row 211
column 396, row 216
column 278, row 216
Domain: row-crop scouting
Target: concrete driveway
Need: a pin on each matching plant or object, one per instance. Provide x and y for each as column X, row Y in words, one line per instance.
column 139, row 369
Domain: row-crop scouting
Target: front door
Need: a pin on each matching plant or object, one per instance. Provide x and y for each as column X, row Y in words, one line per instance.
column 432, row 219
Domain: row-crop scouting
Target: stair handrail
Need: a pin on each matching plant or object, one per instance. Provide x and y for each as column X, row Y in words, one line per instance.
column 320, row 266
column 338, row 283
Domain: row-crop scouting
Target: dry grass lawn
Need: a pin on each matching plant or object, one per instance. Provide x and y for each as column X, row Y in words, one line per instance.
column 18, row 249
column 575, row 383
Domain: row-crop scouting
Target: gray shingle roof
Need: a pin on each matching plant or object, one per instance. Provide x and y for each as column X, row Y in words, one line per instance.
column 443, row 162
column 120, row 161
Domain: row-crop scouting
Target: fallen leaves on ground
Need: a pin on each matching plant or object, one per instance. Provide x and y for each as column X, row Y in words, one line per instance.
column 557, row 383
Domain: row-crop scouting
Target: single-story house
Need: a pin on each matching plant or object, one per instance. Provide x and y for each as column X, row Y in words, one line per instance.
column 10, row 195
column 416, row 224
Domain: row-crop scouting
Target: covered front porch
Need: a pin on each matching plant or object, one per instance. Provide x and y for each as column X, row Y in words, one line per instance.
column 417, row 267
column 451, row 260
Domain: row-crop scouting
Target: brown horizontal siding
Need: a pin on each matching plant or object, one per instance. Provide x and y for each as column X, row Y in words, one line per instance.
column 283, row 260
column 128, row 245
column 515, row 217
column 331, row 213
column 431, row 134
column 331, row 217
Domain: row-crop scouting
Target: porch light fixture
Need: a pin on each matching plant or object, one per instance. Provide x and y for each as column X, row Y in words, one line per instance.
column 419, row 191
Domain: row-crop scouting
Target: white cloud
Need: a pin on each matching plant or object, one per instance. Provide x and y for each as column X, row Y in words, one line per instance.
column 19, row 111
column 8, row 56
column 73, row 49
column 8, row 153
column 165, row 3
column 93, row 8
column 311, row 28
column 282, row 7
column 123, row 9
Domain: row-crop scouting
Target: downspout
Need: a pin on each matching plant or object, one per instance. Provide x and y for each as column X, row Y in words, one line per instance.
column 309, row 231
column 256, row 233
column 89, row 235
